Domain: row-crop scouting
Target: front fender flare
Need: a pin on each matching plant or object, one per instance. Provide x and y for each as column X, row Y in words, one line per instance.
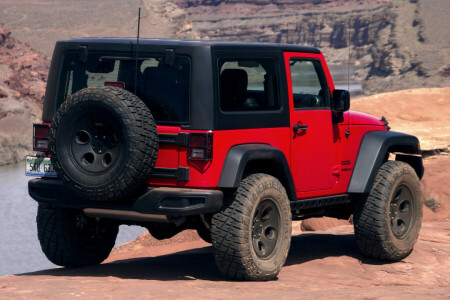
column 372, row 152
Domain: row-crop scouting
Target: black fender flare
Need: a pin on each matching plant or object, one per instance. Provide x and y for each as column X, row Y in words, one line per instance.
column 372, row 152
column 238, row 157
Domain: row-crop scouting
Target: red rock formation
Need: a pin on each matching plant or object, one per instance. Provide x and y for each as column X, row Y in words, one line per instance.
column 23, row 76
column 281, row 3
column 29, row 67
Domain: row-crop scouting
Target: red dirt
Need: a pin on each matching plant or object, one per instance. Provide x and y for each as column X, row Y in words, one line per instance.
column 436, row 188
column 424, row 113
column 323, row 264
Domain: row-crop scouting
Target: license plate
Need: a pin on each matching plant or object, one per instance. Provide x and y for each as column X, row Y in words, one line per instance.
column 39, row 166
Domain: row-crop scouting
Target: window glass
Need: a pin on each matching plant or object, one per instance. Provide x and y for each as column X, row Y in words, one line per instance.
column 248, row 84
column 163, row 88
column 308, row 84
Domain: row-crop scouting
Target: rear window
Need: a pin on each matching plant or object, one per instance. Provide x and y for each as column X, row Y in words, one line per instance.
column 164, row 88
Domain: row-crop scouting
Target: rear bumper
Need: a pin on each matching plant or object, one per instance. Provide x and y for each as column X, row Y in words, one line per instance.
column 156, row 201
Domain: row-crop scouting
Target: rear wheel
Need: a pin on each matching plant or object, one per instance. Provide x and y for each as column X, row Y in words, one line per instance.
column 252, row 233
column 68, row 238
column 387, row 222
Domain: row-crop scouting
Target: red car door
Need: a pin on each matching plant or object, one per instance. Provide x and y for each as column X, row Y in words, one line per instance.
column 315, row 137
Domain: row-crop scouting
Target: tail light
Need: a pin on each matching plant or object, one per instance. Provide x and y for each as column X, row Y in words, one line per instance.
column 201, row 146
column 41, row 133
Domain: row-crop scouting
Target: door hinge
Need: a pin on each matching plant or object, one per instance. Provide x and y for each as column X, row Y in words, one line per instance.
column 336, row 170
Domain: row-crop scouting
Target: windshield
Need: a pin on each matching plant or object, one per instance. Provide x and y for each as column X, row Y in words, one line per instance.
column 164, row 88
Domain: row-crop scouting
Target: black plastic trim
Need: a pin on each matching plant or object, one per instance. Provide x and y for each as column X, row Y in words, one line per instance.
column 160, row 201
column 306, row 204
column 180, row 139
column 415, row 161
column 180, row 173
column 239, row 156
column 372, row 152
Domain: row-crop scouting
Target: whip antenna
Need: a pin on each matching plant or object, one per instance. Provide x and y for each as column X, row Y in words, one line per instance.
column 137, row 51
column 348, row 62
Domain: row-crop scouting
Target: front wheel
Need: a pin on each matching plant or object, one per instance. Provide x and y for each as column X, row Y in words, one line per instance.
column 387, row 222
column 251, row 235
column 68, row 238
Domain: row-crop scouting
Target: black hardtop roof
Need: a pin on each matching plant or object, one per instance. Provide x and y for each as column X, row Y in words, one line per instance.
column 194, row 43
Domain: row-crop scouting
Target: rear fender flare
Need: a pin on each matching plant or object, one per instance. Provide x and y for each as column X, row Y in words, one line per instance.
column 240, row 155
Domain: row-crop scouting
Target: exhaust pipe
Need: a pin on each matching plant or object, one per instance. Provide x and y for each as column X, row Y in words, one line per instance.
column 124, row 215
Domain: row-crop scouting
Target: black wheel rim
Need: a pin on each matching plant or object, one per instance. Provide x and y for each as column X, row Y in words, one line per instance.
column 401, row 211
column 95, row 145
column 265, row 228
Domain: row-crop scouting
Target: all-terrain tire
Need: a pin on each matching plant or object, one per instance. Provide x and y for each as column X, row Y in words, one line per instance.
column 205, row 234
column 387, row 222
column 104, row 143
column 66, row 244
column 238, row 226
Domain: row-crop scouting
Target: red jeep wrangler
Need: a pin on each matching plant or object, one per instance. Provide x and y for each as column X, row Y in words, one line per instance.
column 234, row 140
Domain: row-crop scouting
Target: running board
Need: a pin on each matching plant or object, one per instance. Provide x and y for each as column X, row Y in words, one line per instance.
column 306, row 204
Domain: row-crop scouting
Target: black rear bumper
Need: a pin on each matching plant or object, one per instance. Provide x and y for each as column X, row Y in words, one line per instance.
column 157, row 201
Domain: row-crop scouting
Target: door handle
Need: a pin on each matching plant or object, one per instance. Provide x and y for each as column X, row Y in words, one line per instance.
column 297, row 127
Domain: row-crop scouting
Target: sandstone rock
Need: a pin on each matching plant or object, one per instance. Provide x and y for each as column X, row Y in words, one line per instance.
column 29, row 68
column 4, row 33
column 405, row 112
column 315, row 224
column 3, row 93
column 23, row 76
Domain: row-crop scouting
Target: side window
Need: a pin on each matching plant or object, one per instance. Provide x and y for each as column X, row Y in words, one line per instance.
column 248, row 84
column 309, row 86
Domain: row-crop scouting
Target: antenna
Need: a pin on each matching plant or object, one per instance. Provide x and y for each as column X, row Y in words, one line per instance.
column 137, row 51
column 348, row 62
column 347, row 132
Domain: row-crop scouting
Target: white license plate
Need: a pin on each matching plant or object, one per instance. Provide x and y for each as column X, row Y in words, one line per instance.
column 39, row 166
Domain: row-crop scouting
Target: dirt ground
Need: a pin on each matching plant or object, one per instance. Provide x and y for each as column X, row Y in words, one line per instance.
column 424, row 113
column 324, row 264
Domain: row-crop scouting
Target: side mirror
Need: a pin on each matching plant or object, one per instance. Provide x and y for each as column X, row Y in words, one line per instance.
column 341, row 100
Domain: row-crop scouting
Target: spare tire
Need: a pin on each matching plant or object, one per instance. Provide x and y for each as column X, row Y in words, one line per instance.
column 104, row 143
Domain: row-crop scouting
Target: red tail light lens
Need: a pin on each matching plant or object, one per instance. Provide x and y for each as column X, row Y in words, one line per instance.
column 201, row 146
column 41, row 133
column 119, row 84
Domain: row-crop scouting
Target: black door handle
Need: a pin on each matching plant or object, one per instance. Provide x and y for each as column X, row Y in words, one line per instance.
column 297, row 127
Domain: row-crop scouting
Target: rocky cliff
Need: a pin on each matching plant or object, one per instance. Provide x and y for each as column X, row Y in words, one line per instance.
column 394, row 44
column 280, row 3
column 390, row 41
column 23, row 70
column 23, row 75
